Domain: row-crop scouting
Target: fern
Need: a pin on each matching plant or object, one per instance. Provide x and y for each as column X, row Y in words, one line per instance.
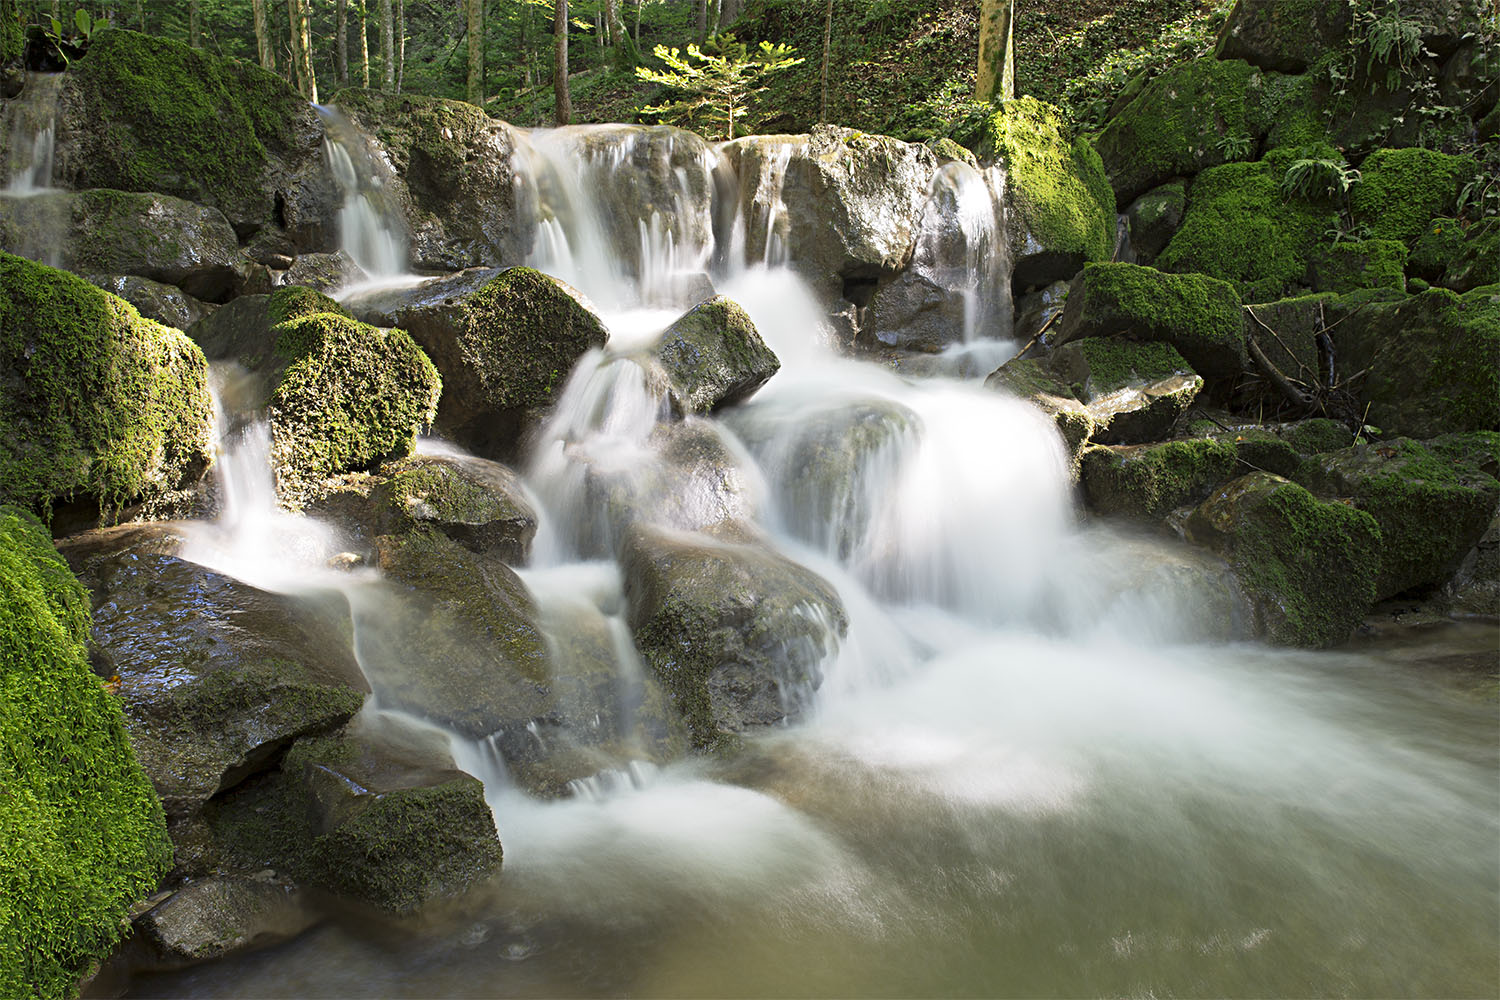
column 1315, row 179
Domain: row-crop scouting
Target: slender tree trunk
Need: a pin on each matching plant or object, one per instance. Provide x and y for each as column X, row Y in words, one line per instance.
column 639, row 4
column 364, row 44
column 341, row 45
column 293, row 9
column 140, row 16
column 264, row 49
column 530, row 77
column 400, row 44
column 612, row 21
column 304, row 47
column 564, row 113
column 996, row 79
column 387, row 46
column 714, row 9
column 823, row 73
column 702, row 6
column 195, row 24
column 474, row 11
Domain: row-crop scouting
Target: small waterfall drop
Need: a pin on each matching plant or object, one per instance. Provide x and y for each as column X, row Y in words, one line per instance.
column 31, row 129
column 371, row 230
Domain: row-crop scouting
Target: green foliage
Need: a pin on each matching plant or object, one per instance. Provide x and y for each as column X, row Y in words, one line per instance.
column 1402, row 189
column 82, row 836
column 715, row 84
column 1389, row 42
column 1317, row 178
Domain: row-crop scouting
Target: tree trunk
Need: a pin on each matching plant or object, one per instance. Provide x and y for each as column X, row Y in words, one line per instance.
column 996, row 80
column 564, row 113
column 400, row 44
column 364, row 44
column 714, row 8
column 702, row 6
column 301, row 35
column 474, row 11
column 612, row 21
column 263, row 46
column 140, row 15
column 387, row 46
column 530, row 78
column 341, row 45
column 195, row 25
column 638, row 5
column 823, row 73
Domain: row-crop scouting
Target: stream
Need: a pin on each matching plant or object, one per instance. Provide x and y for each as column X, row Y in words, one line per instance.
column 1041, row 762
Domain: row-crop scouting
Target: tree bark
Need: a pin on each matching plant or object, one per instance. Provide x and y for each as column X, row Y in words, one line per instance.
column 638, row 5
column 702, row 6
column 823, row 73
column 341, row 45
column 564, row 112
column 140, row 15
column 263, row 46
column 364, row 43
column 195, row 25
column 387, row 46
column 293, row 9
column 612, row 21
column 400, row 44
column 714, row 8
column 474, row 17
column 996, row 79
column 301, row 35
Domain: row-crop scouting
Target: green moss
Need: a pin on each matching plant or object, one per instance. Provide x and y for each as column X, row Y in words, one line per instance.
column 1477, row 262
column 1309, row 566
column 295, row 302
column 1401, row 190
column 82, row 836
column 946, row 149
column 1239, row 227
column 1058, row 186
column 176, row 120
column 715, row 356
column 1344, row 267
column 98, row 402
column 1112, row 364
column 1198, row 315
column 1319, row 434
column 351, row 396
column 428, row 139
column 1191, row 117
column 1147, row 482
column 1439, row 244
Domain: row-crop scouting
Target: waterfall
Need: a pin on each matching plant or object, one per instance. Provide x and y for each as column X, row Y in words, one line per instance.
column 371, row 230
column 31, row 131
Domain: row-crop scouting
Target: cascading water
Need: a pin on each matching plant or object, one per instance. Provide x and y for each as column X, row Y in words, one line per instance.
column 370, row 228
column 31, row 132
column 1029, row 771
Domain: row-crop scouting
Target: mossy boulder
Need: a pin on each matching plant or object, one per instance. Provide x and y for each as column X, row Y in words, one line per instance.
column 1279, row 448
column 1239, row 227
column 1134, row 392
column 735, row 633
column 1286, row 36
column 713, row 356
column 351, row 395
column 242, row 330
column 146, row 235
column 1440, row 243
column 1061, row 208
column 1308, row 566
column 1154, row 218
column 167, row 304
column 83, row 833
column 217, row 677
column 504, row 341
column 1345, row 267
column 1287, row 330
column 1147, row 482
column 1433, row 359
column 99, row 406
column 463, row 203
column 1477, row 262
column 1432, row 503
column 142, row 113
column 1198, row 315
column 1401, row 190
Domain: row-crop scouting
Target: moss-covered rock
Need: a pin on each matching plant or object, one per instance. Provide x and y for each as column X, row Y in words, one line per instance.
column 1287, row 35
column 1061, row 206
column 1441, row 242
column 1345, row 267
column 142, row 113
column 504, row 342
column 1477, row 262
column 1154, row 218
column 1307, row 565
column 1433, row 359
column 1287, row 330
column 1190, row 117
column 714, row 357
column 99, row 405
column 1198, row 315
column 1240, row 227
column 1401, row 190
column 462, row 200
column 1134, row 392
column 167, row 304
column 217, row 677
column 736, row 634
column 1432, row 506
column 83, row 834
column 1147, row 482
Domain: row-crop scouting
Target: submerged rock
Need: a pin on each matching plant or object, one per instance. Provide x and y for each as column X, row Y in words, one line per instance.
column 100, row 406
column 1308, row 566
column 213, row 918
column 735, row 633
column 714, row 357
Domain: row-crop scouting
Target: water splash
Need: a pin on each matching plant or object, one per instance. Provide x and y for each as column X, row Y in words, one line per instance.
column 31, row 128
column 371, row 229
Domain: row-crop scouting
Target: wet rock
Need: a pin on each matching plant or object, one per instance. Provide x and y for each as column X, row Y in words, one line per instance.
column 1134, row 392
column 213, row 918
column 1284, row 37
column 217, row 678
column 166, row 304
column 1432, row 501
column 323, row 272
column 714, row 357
column 1036, row 313
column 1147, row 482
column 1475, row 587
column 1154, row 218
column 1034, row 380
column 1198, row 316
column 504, row 342
column 1275, row 447
column 461, row 195
column 735, row 633
column 100, row 407
column 115, row 232
column 1308, row 566
column 143, row 113
column 916, row 313
column 844, row 204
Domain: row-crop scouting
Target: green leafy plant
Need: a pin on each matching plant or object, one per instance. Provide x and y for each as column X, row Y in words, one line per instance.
column 1234, row 147
column 1316, row 179
column 1389, row 41
column 715, row 85
column 1346, row 232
